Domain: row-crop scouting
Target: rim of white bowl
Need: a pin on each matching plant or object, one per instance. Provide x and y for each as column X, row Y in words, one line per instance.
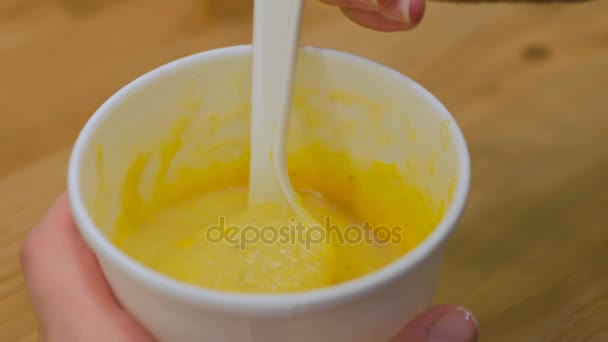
column 264, row 304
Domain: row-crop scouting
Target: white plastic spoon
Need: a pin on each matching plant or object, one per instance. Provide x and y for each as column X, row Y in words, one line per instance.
column 275, row 45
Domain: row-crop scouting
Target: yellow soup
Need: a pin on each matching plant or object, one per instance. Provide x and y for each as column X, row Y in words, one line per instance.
column 215, row 240
column 197, row 227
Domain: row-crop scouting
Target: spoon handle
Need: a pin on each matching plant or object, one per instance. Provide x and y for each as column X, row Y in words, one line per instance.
column 275, row 46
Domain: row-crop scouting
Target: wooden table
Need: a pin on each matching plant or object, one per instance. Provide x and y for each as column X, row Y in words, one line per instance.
column 528, row 84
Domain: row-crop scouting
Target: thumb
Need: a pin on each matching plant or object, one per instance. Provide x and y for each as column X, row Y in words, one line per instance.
column 442, row 324
column 66, row 286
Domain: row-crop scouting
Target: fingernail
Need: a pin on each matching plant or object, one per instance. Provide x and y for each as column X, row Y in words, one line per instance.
column 399, row 11
column 454, row 325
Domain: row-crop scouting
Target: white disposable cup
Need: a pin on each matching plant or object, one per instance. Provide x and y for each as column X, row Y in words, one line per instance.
column 371, row 308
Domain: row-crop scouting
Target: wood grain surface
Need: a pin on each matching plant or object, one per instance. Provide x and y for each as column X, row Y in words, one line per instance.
column 527, row 83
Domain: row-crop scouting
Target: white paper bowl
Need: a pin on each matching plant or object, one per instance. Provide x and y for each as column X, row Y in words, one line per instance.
column 371, row 308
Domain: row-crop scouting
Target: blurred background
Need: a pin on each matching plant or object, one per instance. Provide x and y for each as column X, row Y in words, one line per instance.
column 527, row 83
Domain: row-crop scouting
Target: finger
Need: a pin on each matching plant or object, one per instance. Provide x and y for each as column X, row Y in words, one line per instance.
column 374, row 21
column 442, row 324
column 382, row 15
column 65, row 283
column 513, row 1
column 368, row 5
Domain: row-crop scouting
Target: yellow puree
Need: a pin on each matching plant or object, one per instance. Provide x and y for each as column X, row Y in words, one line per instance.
column 178, row 231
